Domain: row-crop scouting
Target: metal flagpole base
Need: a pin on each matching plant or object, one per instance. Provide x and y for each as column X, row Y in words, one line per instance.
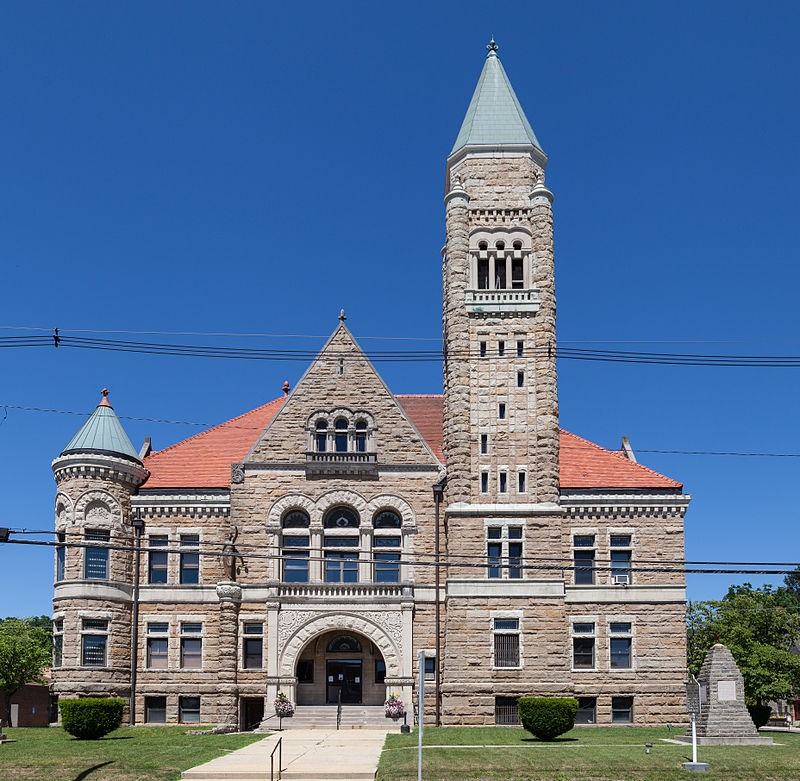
column 695, row 767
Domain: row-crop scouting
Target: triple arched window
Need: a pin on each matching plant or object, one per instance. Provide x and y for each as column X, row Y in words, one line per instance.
column 342, row 431
column 344, row 550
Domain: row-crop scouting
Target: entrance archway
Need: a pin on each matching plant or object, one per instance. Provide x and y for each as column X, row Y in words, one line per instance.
column 340, row 665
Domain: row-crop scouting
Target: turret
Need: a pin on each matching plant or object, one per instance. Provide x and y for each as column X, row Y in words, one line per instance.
column 96, row 474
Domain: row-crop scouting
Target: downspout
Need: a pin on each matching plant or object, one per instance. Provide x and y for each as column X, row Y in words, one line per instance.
column 138, row 527
column 438, row 490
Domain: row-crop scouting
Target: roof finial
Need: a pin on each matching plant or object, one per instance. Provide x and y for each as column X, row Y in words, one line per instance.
column 104, row 402
column 286, row 388
column 492, row 47
column 342, row 317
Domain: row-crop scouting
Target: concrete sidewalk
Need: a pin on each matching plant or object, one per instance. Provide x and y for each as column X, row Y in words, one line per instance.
column 310, row 754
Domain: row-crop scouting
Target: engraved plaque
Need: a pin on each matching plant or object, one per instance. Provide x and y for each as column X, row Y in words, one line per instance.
column 726, row 691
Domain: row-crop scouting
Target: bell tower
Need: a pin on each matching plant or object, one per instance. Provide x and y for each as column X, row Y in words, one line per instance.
column 501, row 432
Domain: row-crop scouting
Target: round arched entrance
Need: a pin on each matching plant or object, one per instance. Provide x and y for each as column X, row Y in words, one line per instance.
column 340, row 664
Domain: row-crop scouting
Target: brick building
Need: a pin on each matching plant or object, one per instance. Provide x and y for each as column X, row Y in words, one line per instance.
column 332, row 505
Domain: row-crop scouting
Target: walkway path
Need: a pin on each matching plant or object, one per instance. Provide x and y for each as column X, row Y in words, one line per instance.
column 309, row 754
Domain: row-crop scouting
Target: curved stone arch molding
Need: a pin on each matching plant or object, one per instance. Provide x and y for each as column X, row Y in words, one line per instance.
column 351, row 413
column 333, row 498
column 391, row 502
column 501, row 232
column 293, row 639
column 69, row 510
column 290, row 502
column 85, row 499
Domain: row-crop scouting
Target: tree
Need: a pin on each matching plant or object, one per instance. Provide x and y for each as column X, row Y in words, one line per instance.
column 760, row 626
column 25, row 652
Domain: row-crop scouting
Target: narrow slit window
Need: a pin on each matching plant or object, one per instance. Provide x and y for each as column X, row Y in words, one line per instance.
column 501, row 348
column 484, row 482
column 517, row 274
column 483, row 349
column 520, row 348
column 484, row 443
column 501, row 411
column 483, row 274
column 520, row 379
column 522, row 482
column 503, row 482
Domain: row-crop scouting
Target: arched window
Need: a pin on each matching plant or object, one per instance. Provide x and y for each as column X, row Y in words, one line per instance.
column 294, row 546
column 386, row 543
column 344, row 643
column 361, row 436
column 340, row 437
column 321, row 436
column 341, row 518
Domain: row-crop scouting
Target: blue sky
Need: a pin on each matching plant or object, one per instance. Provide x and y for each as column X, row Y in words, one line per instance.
column 253, row 168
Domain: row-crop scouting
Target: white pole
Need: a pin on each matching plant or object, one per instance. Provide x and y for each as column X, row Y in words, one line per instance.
column 694, row 739
column 421, row 712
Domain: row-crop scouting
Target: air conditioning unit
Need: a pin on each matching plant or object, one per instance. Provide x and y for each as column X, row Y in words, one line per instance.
column 621, row 580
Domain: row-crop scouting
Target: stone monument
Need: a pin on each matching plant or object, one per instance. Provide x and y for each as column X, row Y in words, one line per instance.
column 721, row 715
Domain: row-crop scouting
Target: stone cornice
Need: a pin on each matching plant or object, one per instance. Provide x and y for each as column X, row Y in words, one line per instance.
column 461, row 509
column 103, row 467
column 215, row 504
column 616, row 503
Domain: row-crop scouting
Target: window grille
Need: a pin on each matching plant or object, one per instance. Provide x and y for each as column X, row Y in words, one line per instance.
column 505, row 711
column 96, row 559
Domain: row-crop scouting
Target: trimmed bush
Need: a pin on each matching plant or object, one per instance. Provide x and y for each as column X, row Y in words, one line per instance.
column 759, row 714
column 89, row 718
column 547, row 717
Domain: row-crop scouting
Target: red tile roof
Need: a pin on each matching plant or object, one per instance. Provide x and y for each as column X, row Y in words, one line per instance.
column 204, row 460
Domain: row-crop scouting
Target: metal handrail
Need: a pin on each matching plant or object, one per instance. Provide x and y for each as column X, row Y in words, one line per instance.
column 339, row 710
column 277, row 748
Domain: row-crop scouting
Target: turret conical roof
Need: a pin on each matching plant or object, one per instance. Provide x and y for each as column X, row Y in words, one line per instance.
column 495, row 116
column 102, row 433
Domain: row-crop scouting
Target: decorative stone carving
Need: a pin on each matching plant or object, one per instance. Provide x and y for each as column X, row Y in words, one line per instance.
column 228, row 591
column 98, row 507
column 237, row 473
column 290, row 502
column 390, row 502
column 331, row 499
column 230, row 556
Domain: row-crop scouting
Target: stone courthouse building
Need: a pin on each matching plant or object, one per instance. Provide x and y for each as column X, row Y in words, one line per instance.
column 295, row 547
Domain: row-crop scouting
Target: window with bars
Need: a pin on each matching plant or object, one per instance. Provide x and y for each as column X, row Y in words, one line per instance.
column 583, row 559
column 157, row 559
column 190, row 559
column 583, row 643
column 506, row 642
column 505, row 711
column 96, row 558
column 93, row 644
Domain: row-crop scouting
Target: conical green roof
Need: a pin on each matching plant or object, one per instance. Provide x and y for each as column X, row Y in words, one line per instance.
column 102, row 433
column 495, row 116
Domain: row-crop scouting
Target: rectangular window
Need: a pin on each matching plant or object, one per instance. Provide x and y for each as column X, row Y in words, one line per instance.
column 482, row 348
column 96, row 559
column 484, row 482
column 514, row 560
column 621, row 645
column 387, row 567
column 430, row 668
column 503, row 555
column 253, row 653
column 520, row 379
column 484, row 443
column 155, row 710
column 93, row 649
column 380, row 671
column 521, row 482
column 341, row 567
column 583, row 646
column 503, row 482
column 58, row 642
column 501, row 411
column 189, row 710
column 622, row 710
column 305, row 671
column 506, row 642
column 517, row 274
column 483, row 273
column 157, row 559
column 295, row 558
column 501, row 348
column 190, row 559
column 157, row 653
column 620, row 556
column 61, row 554
column 587, row 710
column 191, row 647
column 520, row 348
column 494, row 555
column 583, row 559
column 505, row 711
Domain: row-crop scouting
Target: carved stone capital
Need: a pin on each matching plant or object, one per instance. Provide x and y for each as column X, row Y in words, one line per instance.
column 237, row 473
column 228, row 591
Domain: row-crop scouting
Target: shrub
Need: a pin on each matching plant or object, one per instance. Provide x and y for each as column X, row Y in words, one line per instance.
column 547, row 717
column 90, row 718
column 759, row 714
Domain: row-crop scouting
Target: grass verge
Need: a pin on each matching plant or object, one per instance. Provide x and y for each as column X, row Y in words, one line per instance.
column 596, row 754
column 127, row 754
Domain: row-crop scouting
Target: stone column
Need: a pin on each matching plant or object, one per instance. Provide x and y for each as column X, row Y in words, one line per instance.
column 230, row 598
column 545, row 476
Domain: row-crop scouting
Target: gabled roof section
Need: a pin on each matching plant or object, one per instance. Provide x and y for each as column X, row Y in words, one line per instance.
column 495, row 116
column 204, row 460
column 102, row 433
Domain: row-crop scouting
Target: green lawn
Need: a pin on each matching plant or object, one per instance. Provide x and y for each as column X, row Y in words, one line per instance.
column 610, row 754
column 128, row 754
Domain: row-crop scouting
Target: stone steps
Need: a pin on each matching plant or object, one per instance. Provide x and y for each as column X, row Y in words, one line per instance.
column 324, row 717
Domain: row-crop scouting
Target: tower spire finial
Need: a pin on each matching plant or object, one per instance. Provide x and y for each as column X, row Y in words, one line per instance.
column 492, row 47
column 342, row 317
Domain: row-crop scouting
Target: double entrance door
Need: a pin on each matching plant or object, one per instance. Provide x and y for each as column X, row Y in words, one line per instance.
column 343, row 676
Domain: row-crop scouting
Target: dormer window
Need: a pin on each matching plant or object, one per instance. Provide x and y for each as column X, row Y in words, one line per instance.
column 342, row 440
